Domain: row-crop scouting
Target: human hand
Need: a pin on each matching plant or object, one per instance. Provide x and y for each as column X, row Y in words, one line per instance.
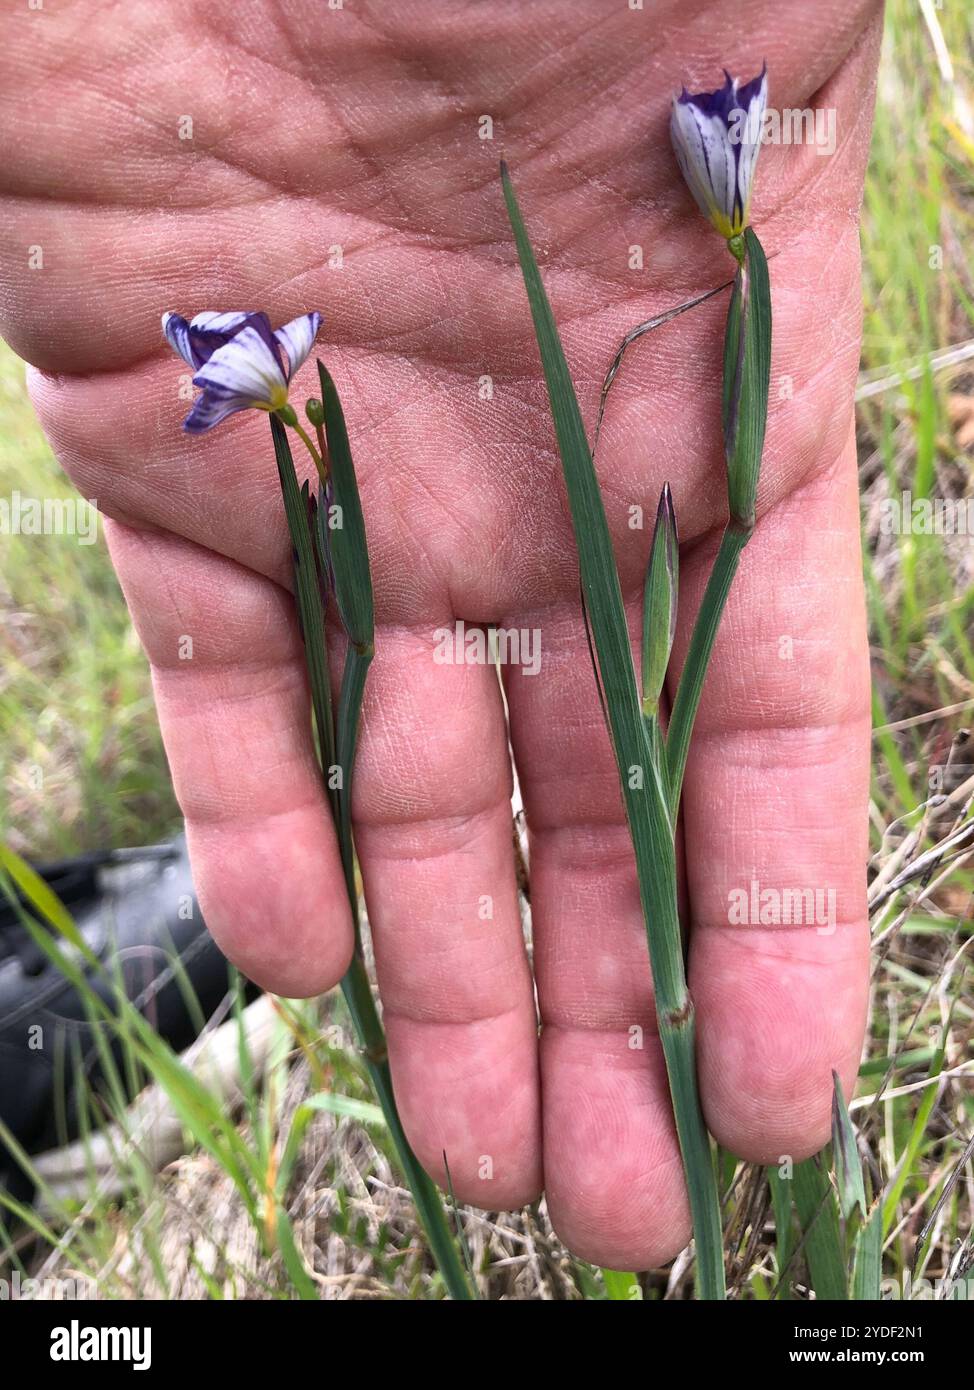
column 359, row 128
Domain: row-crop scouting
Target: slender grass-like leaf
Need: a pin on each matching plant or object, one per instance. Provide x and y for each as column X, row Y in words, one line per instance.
column 867, row 1267
column 864, row 1226
column 41, row 897
column 346, row 541
column 349, row 709
column 660, row 598
column 293, row 1263
column 461, row 1233
column 747, row 377
column 818, row 1218
column 783, row 1237
column 747, row 368
column 307, row 592
column 647, row 811
column 690, row 686
column 845, row 1156
column 906, row 1160
column 341, row 543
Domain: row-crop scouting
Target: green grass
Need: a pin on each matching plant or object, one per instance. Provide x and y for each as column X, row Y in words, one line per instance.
column 81, row 760
column 81, row 764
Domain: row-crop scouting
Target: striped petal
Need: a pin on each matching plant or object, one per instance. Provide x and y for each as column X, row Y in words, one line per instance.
column 716, row 137
column 177, row 334
column 208, row 410
column 197, row 340
column 297, row 338
column 245, row 368
column 217, row 322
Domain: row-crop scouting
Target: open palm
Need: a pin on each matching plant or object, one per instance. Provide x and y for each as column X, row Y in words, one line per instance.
column 334, row 159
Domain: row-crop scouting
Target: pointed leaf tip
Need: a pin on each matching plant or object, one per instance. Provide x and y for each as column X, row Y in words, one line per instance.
column 845, row 1155
column 660, row 596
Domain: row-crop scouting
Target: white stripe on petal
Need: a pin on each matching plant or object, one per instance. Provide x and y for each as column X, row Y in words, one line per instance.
column 751, row 147
column 296, row 338
column 208, row 410
column 686, row 131
column 216, row 322
column 245, row 367
column 176, row 331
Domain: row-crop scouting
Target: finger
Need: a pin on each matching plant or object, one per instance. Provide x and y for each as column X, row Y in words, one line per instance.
column 432, row 807
column 228, row 675
column 775, row 804
column 613, row 1176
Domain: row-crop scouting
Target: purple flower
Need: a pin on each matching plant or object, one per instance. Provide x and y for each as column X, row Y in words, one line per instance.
column 238, row 361
column 717, row 136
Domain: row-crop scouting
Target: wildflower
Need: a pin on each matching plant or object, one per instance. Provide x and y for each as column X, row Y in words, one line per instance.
column 716, row 137
column 238, row 361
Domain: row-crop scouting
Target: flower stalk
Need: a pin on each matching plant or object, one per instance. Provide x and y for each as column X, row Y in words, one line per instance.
column 719, row 170
column 746, row 382
column 239, row 364
column 343, row 556
column 640, row 771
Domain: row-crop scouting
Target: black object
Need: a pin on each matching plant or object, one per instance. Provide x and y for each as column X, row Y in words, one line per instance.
column 138, row 913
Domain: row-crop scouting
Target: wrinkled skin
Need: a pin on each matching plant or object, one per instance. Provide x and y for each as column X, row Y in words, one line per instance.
column 315, row 128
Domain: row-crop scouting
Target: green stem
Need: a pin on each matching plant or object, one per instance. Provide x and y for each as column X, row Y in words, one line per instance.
column 656, row 875
column 305, row 438
column 357, row 991
column 645, row 797
column 688, row 692
column 356, row 986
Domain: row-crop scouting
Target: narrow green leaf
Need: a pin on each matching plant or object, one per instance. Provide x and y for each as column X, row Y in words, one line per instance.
column 41, row 897
column 340, row 542
column 308, row 593
column 643, row 792
column 747, row 374
column 845, row 1156
column 818, row 1218
column 867, row 1269
column 349, row 711
column 784, row 1244
column 903, row 1170
column 345, row 541
column 293, row 1263
column 660, row 595
column 747, row 377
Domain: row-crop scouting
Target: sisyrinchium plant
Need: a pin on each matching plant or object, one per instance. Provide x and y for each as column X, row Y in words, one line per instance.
column 240, row 363
column 716, row 137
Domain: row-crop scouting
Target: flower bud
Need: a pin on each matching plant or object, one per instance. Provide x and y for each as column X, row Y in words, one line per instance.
column 716, row 138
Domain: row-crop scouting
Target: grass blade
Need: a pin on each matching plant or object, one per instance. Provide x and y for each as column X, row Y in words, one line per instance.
column 342, row 542
column 647, row 812
column 845, row 1156
column 783, row 1239
column 818, row 1217
column 308, row 593
column 867, row 1269
column 345, row 541
column 747, row 372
